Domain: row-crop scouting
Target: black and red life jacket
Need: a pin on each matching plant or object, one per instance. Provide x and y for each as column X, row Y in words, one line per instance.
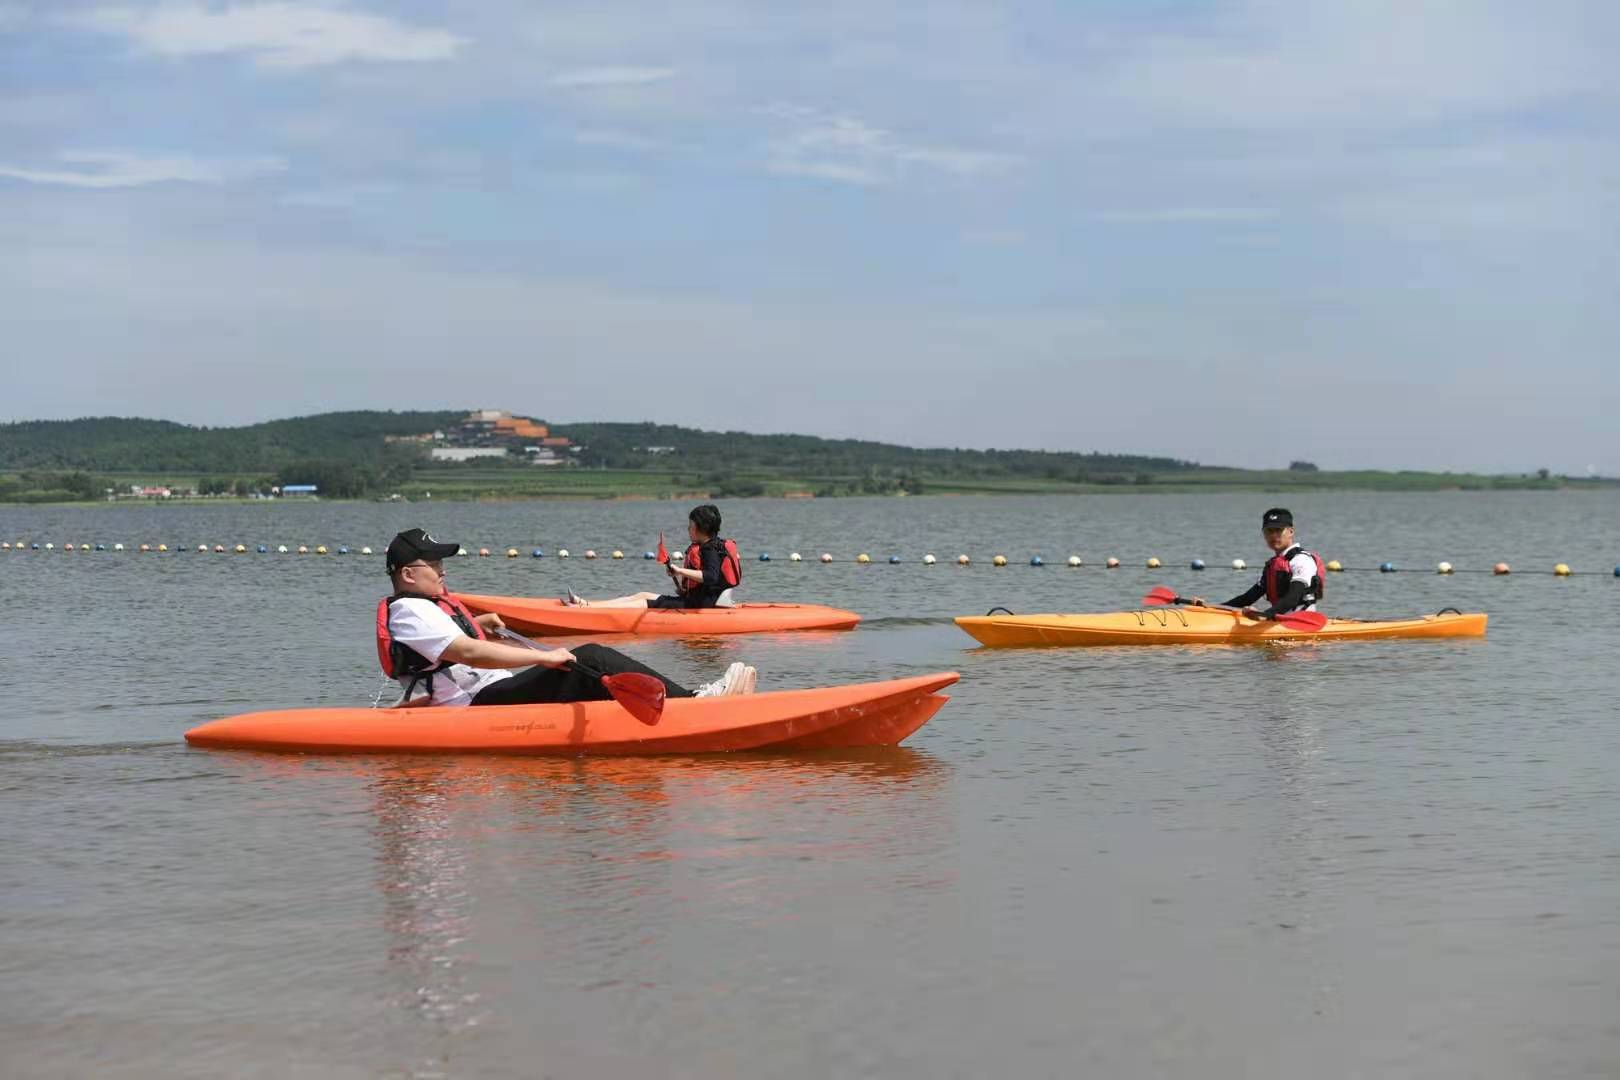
column 401, row 661
column 1278, row 574
column 730, row 564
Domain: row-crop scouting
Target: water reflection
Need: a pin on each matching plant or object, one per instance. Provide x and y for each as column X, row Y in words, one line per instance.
column 600, row 875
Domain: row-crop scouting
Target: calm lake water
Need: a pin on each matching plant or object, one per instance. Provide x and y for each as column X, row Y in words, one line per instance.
column 1336, row 860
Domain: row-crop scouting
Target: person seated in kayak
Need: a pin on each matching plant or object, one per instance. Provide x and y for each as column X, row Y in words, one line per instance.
column 436, row 647
column 1291, row 580
column 711, row 566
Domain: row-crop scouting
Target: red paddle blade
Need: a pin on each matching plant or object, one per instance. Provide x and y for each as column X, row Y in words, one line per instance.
column 1159, row 595
column 1310, row 621
column 663, row 552
column 641, row 695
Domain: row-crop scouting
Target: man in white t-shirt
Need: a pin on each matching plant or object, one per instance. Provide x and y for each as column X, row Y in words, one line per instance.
column 430, row 642
column 1291, row 580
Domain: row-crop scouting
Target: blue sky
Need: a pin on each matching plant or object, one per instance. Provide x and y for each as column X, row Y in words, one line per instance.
column 1370, row 234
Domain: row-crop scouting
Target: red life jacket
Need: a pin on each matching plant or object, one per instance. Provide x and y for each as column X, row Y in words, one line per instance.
column 730, row 565
column 1278, row 574
column 399, row 660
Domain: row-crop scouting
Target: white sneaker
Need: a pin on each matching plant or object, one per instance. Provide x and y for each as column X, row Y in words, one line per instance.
column 725, row 685
column 750, row 678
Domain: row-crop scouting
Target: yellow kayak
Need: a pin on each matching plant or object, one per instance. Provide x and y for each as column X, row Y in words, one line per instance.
column 1200, row 626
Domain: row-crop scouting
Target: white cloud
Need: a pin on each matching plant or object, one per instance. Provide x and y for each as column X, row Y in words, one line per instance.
column 1272, row 65
column 278, row 34
column 587, row 78
column 118, row 169
column 848, row 150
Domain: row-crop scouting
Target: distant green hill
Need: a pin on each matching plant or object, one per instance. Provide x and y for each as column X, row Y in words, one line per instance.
column 346, row 455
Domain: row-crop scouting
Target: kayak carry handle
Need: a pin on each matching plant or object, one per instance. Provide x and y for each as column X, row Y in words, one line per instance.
column 993, row 610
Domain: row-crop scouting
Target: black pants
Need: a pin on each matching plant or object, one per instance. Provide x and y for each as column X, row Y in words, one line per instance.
column 544, row 686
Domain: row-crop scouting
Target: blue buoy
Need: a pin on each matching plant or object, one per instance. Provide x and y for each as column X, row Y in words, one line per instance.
column 1198, row 564
column 1387, row 568
column 34, row 546
column 649, row 555
column 263, row 549
column 764, row 556
column 537, row 554
column 1035, row 560
column 894, row 560
column 101, row 547
column 1617, row 571
column 343, row 549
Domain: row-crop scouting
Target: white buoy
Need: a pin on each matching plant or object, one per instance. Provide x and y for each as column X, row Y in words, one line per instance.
column 204, row 547
column 795, row 557
column 1443, row 568
column 929, row 560
column 281, row 549
column 365, row 551
column 1074, row 560
column 562, row 553
column 1239, row 564
column 118, row 547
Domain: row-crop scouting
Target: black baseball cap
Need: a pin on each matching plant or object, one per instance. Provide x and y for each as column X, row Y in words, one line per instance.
column 1275, row 518
column 413, row 544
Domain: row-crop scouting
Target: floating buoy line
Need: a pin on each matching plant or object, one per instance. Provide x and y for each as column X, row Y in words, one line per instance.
column 998, row 560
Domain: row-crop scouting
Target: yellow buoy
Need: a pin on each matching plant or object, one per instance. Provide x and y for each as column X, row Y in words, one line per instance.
column 1443, row 568
column 240, row 549
column 320, row 549
column 163, row 547
column 511, row 553
column 999, row 560
column 1562, row 570
column 863, row 557
column 1501, row 568
column 1335, row 566
column 617, row 554
column 1153, row 562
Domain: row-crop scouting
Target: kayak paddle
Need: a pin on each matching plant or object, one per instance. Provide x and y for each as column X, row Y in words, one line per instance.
column 1309, row 621
column 642, row 696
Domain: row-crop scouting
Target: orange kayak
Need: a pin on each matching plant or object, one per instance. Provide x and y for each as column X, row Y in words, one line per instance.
column 531, row 615
column 1200, row 626
column 860, row 714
